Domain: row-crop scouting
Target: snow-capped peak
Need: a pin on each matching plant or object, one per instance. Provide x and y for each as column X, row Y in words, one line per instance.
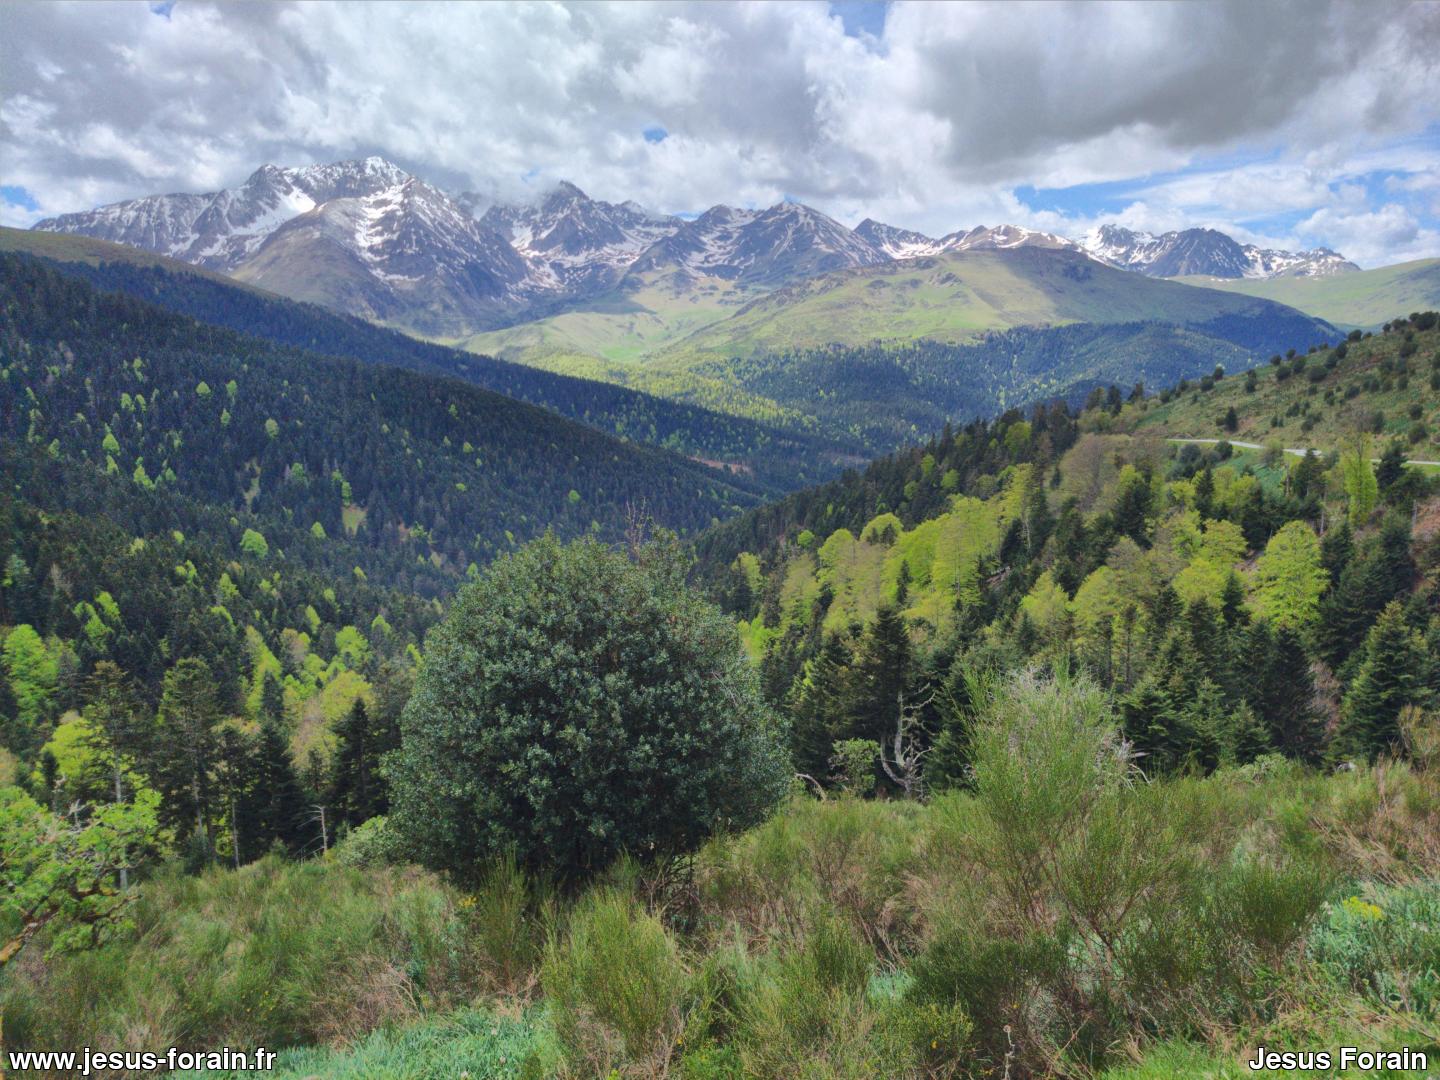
column 1207, row 252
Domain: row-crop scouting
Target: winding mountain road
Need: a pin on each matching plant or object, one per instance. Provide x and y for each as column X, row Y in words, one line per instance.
column 1298, row 451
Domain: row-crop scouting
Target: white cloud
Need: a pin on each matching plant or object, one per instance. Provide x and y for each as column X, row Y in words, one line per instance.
column 933, row 125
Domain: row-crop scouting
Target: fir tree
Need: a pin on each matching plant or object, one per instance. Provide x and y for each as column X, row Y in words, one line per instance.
column 186, row 750
column 880, row 676
column 1392, row 674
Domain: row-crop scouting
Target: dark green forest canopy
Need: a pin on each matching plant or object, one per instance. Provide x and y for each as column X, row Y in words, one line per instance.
column 767, row 459
column 427, row 474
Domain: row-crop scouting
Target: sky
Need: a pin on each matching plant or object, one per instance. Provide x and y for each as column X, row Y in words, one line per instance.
column 1289, row 124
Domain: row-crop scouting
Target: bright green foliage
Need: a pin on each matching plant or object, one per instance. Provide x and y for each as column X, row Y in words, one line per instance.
column 60, row 875
column 1361, row 487
column 1213, row 553
column 272, row 429
column 577, row 704
column 254, row 543
column 31, row 669
column 1289, row 578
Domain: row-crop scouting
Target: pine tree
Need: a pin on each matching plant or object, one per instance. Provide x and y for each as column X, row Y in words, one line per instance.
column 235, row 790
column 1391, row 467
column 1232, row 602
column 1281, row 689
column 1307, row 477
column 1336, row 550
column 119, row 731
column 1378, row 574
column 281, row 806
column 1205, row 493
column 1392, row 674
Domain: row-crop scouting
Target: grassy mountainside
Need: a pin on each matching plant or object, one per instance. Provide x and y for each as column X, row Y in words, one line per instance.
column 1386, row 386
column 1364, row 299
column 956, row 298
column 888, row 353
column 760, row 455
column 648, row 312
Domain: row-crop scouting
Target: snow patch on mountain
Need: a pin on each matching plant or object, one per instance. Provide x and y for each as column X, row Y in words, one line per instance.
column 1205, row 252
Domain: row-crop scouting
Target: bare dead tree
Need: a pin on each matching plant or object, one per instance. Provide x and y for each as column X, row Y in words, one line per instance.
column 638, row 526
column 903, row 759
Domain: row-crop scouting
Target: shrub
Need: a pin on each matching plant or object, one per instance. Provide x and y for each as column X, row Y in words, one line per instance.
column 1387, row 944
column 1098, row 903
column 577, row 704
column 507, row 917
column 616, row 986
column 274, row 954
column 370, row 844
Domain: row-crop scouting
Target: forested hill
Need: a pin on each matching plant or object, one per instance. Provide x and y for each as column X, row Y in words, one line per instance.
column 1236, row 599
column 336, row 463
column 763, row 457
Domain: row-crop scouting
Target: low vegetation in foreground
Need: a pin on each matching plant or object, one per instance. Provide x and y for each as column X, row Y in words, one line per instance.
column 1061, row 916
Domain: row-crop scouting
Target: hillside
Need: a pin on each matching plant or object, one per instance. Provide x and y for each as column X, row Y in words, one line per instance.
column 1386, row 386
column 758, row 455
column 956, row 297
column 886, row 353
column 1362, row 298
column 427, row 474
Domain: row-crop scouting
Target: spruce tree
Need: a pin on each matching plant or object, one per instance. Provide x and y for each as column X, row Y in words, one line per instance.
column 880, row 677
column 1336, row 549
column 819, row 707
column 185, row 754
column 119, row 731
column 1392, row 674
column 356, row 794
column 282, row 809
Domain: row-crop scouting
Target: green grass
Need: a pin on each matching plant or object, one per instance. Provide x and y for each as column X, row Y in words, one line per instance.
column 67, row 247
column 1359, row 388
column 954, row 298
column 621, row 328
column 1365, row 299
column 474, row 1043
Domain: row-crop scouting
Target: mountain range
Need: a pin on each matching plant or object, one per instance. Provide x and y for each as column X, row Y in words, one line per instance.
column 368, row 238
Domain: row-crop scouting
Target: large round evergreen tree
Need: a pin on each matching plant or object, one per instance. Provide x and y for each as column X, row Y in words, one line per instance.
column 578, row 703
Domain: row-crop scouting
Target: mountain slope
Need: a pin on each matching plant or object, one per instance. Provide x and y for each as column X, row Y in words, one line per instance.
column 887, row 353
column 1365, row 298
column 425, row 473
column 956, row 297
column 757, row 455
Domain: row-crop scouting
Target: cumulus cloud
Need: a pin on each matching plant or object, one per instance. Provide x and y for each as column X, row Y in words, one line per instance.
column 1227, row 111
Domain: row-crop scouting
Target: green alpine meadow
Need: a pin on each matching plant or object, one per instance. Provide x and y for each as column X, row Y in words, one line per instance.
column 806, row 540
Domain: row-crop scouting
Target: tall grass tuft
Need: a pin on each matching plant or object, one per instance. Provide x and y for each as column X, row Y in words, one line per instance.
column 616, row 987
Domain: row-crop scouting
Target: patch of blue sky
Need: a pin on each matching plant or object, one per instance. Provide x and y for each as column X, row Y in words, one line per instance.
column 655, row 134
column 18, row 196
column 861, row 16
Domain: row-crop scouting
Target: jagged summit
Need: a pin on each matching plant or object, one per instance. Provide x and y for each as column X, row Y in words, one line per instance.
column 1206, row 252
column 365, row 236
